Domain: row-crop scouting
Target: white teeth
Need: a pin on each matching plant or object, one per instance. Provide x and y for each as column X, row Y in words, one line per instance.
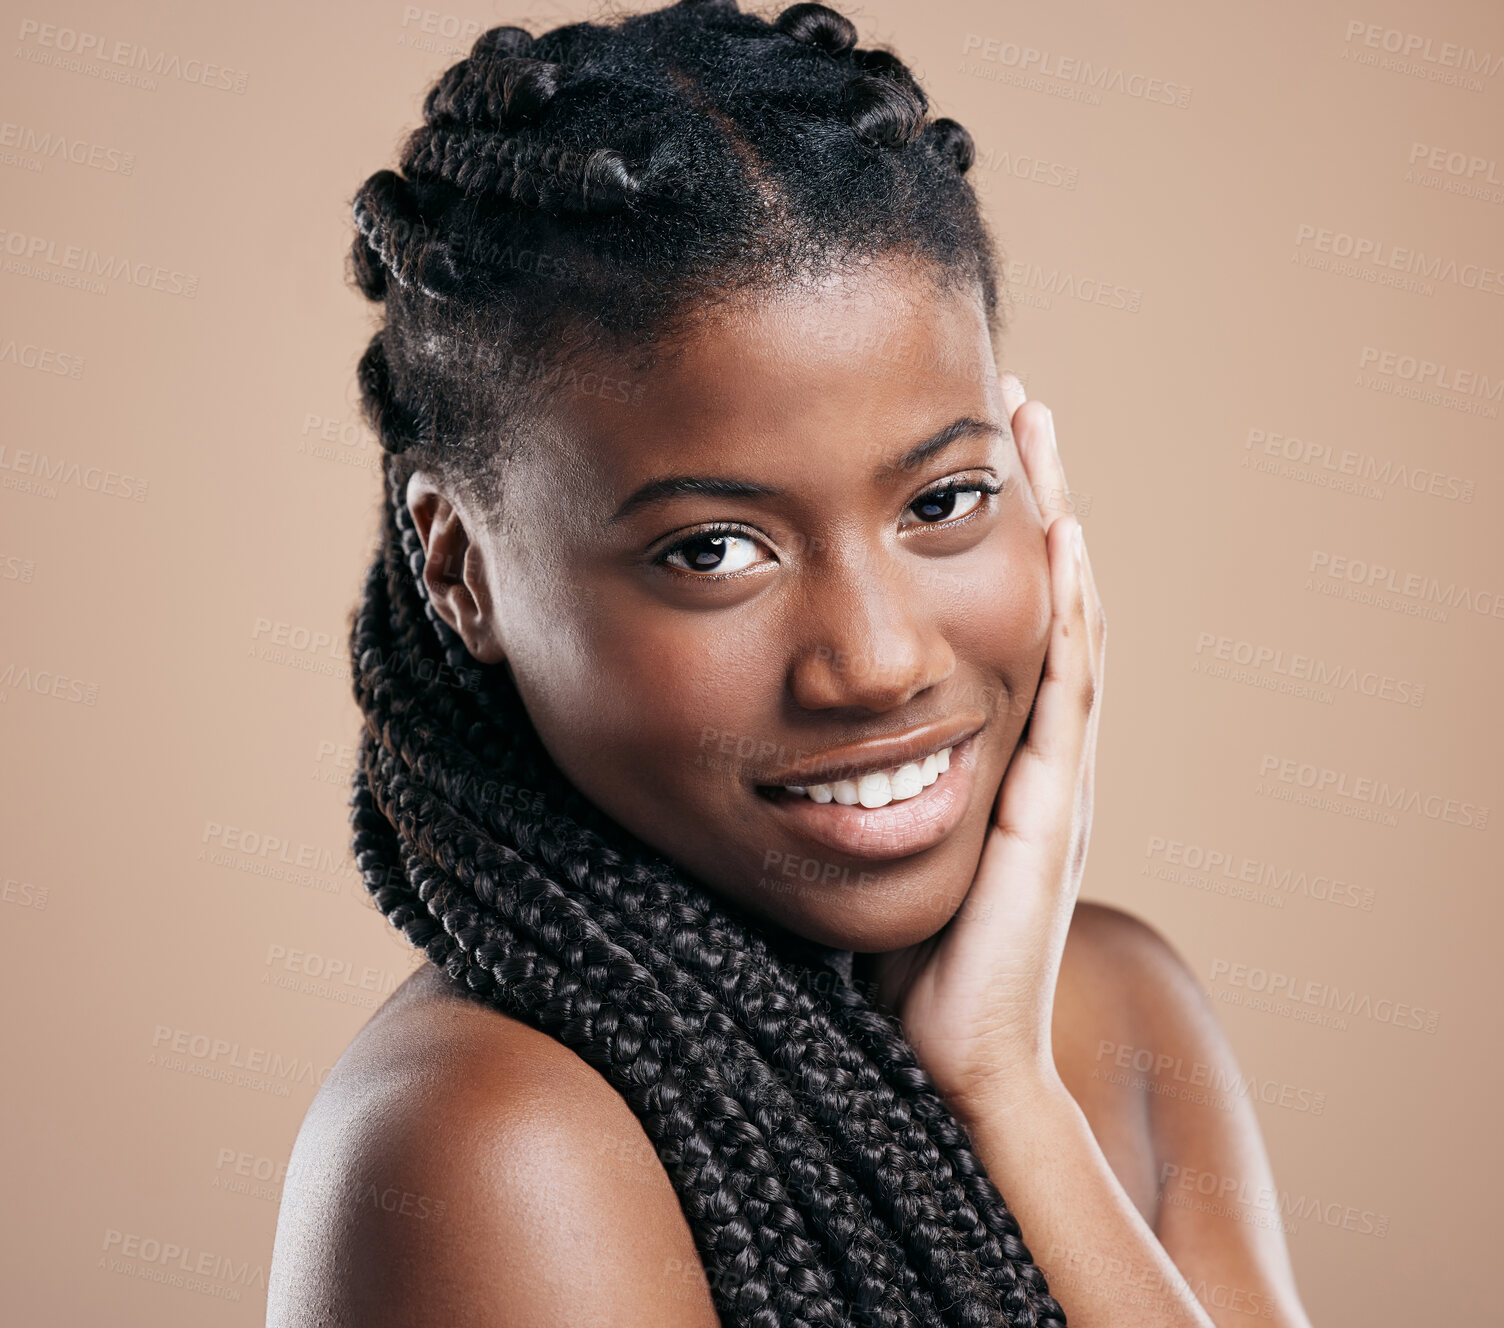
column 875, row 790
column 880, row 787
column 907, row 782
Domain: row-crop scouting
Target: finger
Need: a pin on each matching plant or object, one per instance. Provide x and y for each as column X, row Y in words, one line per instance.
column 1096, row 615
column 1096, row 626
column 1038, row 796
column 1053, row 495
column 1014, row 396
column 1013, row 393
column 1040, row 451
column 1031, row 840
column 1034, row 432
column 1059, row 706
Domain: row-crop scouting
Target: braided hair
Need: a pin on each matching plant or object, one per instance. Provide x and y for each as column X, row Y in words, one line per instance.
column 596, row 185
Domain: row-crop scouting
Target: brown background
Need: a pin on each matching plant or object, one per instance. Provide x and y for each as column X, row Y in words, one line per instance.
column 172, row 701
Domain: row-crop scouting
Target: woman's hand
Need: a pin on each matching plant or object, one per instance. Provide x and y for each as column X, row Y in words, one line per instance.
column 976, row 999
column 976, row 1002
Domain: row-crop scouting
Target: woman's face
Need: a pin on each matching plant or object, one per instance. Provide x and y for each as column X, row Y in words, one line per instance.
column 775, row 561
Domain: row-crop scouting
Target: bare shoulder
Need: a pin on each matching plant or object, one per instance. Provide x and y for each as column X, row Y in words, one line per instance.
column 1116, row 962
column 460, row 1167
column 1129, row 1015
column 1119, row 983
column 1130, row 1011
column 1139, row 1046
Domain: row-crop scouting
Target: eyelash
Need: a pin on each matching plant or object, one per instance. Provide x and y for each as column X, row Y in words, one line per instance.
column 990, row 488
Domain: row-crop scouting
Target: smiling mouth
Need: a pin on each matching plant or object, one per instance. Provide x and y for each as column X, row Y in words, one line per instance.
column 882, row 813
column 876, row 788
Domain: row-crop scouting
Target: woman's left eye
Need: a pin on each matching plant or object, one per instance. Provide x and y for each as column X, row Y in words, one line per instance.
column 714, row 551
column 950, row 504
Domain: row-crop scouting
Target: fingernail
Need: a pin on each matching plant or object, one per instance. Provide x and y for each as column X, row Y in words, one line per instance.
column 1077, row 542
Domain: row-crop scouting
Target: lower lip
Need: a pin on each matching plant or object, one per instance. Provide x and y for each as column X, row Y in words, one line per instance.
column 894, row 831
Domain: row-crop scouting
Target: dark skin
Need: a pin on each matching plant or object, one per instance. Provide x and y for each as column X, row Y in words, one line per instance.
column 847, row 627
column 875, row 607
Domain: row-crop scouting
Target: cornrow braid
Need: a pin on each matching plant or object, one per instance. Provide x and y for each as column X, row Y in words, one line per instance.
column 657, row 163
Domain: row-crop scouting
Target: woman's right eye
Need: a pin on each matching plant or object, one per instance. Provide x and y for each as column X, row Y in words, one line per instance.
column 712, row 552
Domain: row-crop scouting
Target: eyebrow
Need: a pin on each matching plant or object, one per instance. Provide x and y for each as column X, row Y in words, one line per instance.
column 717, row 486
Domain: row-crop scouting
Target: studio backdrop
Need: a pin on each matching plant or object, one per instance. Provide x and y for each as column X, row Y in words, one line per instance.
column 1253, row 261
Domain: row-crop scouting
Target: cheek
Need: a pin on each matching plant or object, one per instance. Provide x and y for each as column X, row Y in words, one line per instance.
column 631, row 707
column 685, row 692
column 996, row 615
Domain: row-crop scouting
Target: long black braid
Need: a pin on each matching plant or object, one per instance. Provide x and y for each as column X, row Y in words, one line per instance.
column 586, row 187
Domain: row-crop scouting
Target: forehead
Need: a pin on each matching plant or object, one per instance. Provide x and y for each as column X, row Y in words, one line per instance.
column 845, row 372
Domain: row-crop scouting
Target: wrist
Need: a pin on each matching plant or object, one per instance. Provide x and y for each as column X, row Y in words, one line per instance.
column 1026, row 1087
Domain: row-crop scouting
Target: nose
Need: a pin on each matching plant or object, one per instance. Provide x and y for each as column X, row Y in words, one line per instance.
column 868, row 644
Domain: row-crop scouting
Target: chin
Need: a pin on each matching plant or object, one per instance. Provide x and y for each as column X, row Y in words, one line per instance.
column 867, row 909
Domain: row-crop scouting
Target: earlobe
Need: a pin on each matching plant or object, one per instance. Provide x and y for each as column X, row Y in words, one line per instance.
column 455, row 572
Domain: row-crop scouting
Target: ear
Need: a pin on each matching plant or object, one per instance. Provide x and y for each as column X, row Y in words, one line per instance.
column 455, row 570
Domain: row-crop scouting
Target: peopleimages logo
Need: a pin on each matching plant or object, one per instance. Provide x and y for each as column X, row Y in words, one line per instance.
column 181, row 1265
column 1315, row 1001
column 1235, row 1197
column 29, row 470
column 1429, row 373
column 47, row 682
column 436, row 32
column 1455, row 163
column 1037, row 285
column 276, row 857
column 207, row 1057
column 1312, row 669
column 1416, row 46
column 1073, row 69
column 1225, row 864
column 1323, row 781
column 50, row 145
column 71, row 49
column 1162, row 1071
column 1375, row 580
column 1325, row 465
column 1396, row 373
column 38, row 256
column 1379, row 253
column 41, row 359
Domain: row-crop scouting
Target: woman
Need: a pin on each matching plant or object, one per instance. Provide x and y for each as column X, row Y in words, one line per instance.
column 730, row 706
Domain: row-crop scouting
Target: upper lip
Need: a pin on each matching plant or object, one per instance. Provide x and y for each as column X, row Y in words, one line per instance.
column 853, row 759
